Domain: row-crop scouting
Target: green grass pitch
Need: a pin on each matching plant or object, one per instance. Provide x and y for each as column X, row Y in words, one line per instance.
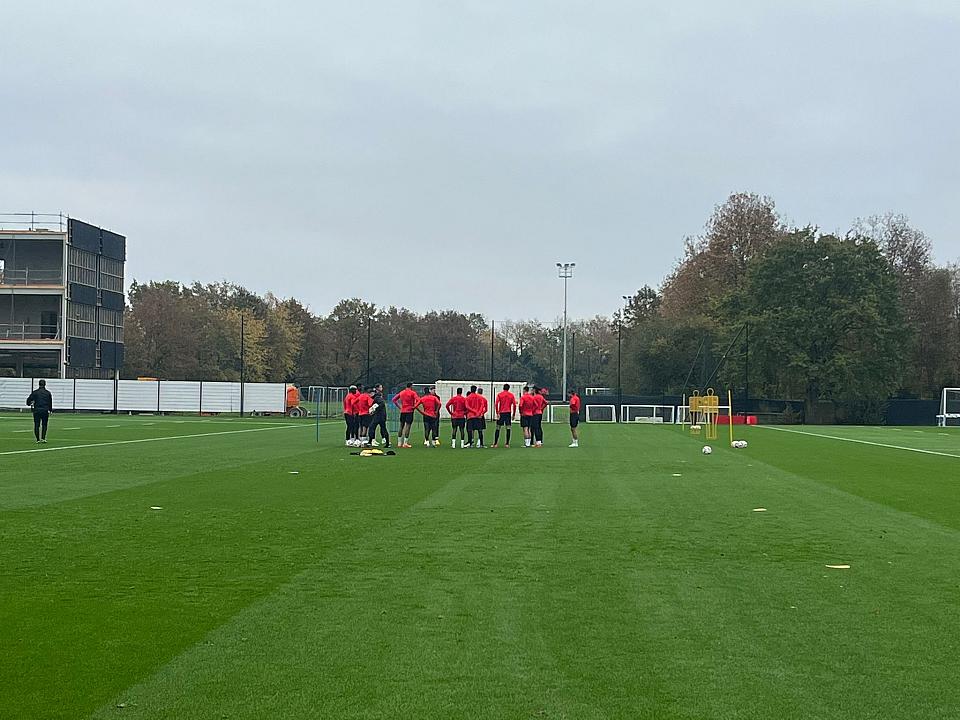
column 629, row 578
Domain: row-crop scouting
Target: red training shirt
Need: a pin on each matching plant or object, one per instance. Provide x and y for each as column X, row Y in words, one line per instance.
column 408, row 400
column 457, row 407
column 362, row 404
column 348, row 401
column 476, row 406
column 575, row 403
column 527, row 405
column 541, row 402
column 506, row 402
column 431, row 405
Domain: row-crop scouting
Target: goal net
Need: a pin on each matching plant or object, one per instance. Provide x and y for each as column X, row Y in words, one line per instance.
column 556, row 413
column 652, row 414
column 949, row 415
column 601, row 414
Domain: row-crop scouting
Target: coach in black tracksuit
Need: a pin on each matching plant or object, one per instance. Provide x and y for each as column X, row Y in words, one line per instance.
column 42, row 403
column 378, row 419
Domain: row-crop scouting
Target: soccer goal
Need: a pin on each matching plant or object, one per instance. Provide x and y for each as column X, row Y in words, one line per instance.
column 949, row 415
column 652, row 414
column 556, row 413
column 601, row 413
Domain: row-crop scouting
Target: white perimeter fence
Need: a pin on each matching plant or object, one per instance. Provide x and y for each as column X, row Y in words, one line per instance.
column 148, row 396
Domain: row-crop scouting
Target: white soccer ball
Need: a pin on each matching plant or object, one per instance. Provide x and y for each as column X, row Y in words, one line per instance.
column 707, row 450
column 694, row 427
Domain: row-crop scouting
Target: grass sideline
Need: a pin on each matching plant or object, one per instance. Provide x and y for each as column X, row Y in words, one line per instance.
column 630, row 578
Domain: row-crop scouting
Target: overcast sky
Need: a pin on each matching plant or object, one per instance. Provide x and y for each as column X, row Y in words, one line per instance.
column 447, row 154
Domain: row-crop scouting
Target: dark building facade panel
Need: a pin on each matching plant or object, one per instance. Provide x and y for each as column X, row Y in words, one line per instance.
column 82, row 352
column 111, row 355
column 84, row 236
column 112, row 300
column 83, row 294
column 113, row 245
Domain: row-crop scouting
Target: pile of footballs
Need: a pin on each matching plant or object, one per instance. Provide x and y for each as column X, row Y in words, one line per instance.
column 739, row 444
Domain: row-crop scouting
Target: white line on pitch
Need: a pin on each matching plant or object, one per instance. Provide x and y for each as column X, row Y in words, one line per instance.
column 860, row 442
column 145, row 440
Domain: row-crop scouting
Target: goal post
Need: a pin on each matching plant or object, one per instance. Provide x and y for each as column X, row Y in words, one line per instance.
column 600, row 413
column 650, row 414
column 949, row 415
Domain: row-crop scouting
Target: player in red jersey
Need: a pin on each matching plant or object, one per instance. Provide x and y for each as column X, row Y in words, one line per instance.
column 457, row 407
column 506, row 407
column 537, row 426
column 350, row 415
column 361, row 405
column 476, row 420
column 574, row 418
column 527, row 405
column 407, row 400
column 431, row 417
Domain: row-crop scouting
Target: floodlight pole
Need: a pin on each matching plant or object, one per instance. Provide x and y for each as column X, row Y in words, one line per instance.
column 242, row 360
column 369, row 323
column 565, row 272
column 620, row 354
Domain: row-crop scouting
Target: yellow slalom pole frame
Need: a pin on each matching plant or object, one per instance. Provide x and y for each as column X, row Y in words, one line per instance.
column 730, row 417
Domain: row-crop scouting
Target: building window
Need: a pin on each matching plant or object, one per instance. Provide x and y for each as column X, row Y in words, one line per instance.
column 111, row 275
column 82, row 267
column 81, row 321
column 111, row 325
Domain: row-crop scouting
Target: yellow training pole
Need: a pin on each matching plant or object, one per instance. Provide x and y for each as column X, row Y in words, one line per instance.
column 683, row 425
column 730, row 414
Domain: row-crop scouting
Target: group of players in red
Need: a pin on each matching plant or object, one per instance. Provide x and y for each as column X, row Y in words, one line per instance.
column 364, row 412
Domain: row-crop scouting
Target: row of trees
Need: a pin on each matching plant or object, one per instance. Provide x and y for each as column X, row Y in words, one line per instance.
column 178, row 332
column 753, row 304
column 787, row 312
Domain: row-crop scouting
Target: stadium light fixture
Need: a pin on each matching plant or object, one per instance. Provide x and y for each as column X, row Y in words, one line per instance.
column 565, row 272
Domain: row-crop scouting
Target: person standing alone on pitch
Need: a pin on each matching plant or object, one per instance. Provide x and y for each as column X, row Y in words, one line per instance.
column 574, row 418
column 506, row 405
column 406, row 400
column 457, row 407
column 42, row 403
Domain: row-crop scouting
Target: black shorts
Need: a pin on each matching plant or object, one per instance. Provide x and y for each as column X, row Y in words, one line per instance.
column 574, row 419
column 458, row 423
column 505, row 419
column 525, row 420
column 406, row 418
column 431, row 423
column 476, row 424
column 364, row 420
